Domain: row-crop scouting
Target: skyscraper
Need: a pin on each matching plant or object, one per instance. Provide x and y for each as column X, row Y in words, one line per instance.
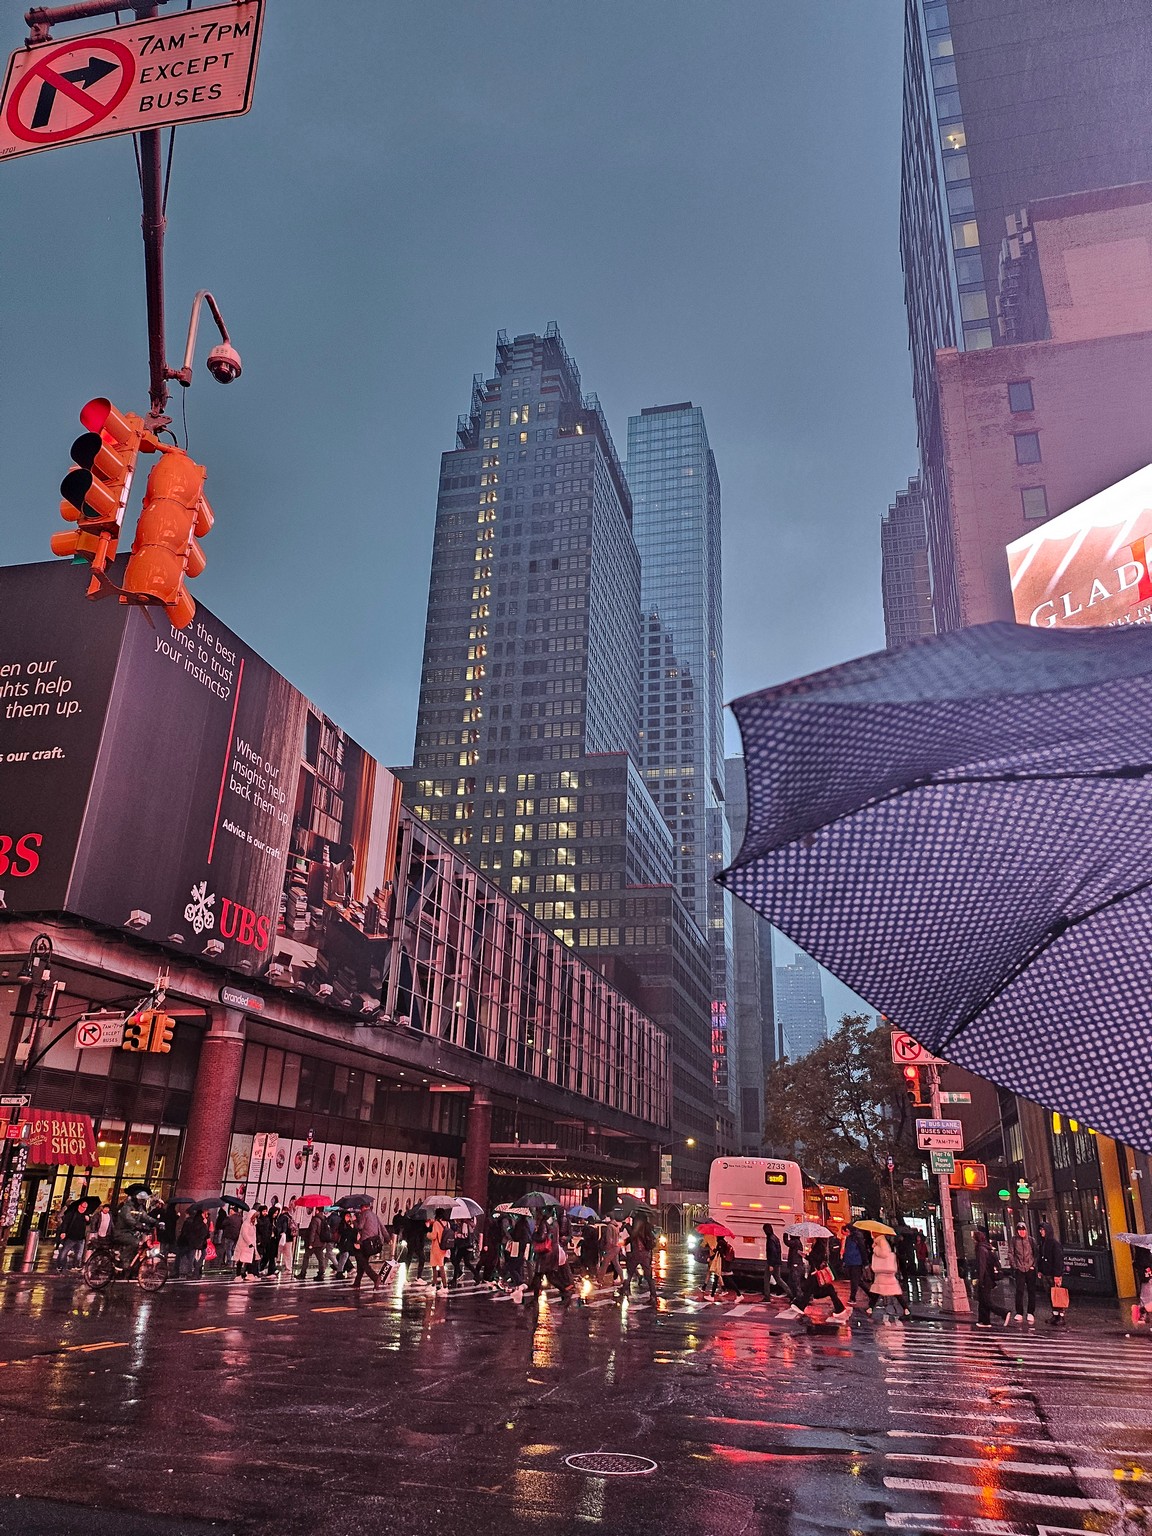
column 752, row 981
column 800, row 1006
column 676, row 522
column 528, row 734
column 1005, row 102
column 906, row 581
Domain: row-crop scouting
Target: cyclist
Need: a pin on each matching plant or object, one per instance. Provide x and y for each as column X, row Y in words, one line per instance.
column 132, row 1223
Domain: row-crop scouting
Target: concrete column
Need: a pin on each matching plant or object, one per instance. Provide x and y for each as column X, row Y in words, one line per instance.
column 204, row 1161
column 477, row 1144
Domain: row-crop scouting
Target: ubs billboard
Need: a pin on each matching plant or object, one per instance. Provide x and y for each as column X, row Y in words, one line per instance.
column 174, row 785
column 1090, row 565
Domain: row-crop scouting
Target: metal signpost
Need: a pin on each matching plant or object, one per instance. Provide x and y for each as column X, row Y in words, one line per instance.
column 955, row 1291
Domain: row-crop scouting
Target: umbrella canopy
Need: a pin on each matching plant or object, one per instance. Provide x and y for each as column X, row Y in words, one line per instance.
column 875, row 1226
column 582, row 1213
column 626, row 1212
column 216, row 1202
column 537, row 1199
column 138, row 1189
column 458, row 1210
column 312, row 1202
column 807, row 1229
column 1134, row 1239
column 714, row 1229
column 513, row 1210
column 958, row 830
column 354, row 1202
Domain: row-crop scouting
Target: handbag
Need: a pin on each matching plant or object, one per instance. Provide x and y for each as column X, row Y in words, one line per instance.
column 209, row 1252
column 823, row 1275
column 1060, row 1298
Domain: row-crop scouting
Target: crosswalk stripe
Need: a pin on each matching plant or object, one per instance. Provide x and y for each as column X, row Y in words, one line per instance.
column 1003, row 1495
column 1015, row 1443
column 946, row 1525
column 943, row 1413
column 1021, row 1468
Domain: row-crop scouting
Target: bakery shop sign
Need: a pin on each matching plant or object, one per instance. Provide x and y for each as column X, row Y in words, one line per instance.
column 59, row 1138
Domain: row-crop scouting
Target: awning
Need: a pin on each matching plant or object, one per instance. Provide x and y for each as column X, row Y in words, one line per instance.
column 561, row 1165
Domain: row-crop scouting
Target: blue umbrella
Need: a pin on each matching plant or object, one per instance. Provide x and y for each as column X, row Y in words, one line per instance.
column 961, row 830
column 582, row 1212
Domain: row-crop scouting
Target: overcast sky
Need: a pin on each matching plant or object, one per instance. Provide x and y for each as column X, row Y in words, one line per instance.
column 702, row 193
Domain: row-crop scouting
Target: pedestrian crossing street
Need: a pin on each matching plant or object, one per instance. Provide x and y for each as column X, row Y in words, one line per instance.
column 981, row 1438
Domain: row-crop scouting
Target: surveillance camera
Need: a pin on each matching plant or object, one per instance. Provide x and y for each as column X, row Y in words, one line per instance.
column 224, row 363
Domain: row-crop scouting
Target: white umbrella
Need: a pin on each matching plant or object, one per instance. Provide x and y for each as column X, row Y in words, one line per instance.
column 458, row 1210
column 807, row 1229
column 1136, row 1239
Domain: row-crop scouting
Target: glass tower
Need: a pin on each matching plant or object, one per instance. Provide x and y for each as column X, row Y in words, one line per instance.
column 527, row 755
column 676, row 522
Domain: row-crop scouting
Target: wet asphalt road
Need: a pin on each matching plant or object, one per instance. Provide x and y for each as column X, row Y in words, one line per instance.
column 278, row 1408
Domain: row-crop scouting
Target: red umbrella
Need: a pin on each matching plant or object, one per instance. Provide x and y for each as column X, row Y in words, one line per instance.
column 714, row 1229
column 312, row 1202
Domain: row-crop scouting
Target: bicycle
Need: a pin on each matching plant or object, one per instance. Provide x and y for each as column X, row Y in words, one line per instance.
column 148, row 1265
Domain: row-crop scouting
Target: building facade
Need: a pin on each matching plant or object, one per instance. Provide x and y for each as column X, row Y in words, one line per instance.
column 528, row 755
column 675, row 490
column 905, row 575
column 752, row 989
column 800, row 1012
column 1004, row 104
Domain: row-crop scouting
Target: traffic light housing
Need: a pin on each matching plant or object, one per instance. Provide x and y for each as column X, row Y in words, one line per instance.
column 137, row 1031
column 165, row 549
column 148, row 1030
column 95, row 490
column 913, row 1086
column 163, row 1028
column 968, row 1175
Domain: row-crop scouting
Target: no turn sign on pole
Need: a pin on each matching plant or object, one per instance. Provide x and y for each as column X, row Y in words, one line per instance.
column 907, row 1052
column 149, row 74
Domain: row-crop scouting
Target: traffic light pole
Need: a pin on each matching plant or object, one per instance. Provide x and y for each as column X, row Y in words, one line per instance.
column 40, row 20
column 955, row 1291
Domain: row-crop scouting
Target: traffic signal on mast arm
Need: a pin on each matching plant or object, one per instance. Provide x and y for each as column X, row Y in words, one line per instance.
column 165, row 549
column 96, row 488
column 912, row 1086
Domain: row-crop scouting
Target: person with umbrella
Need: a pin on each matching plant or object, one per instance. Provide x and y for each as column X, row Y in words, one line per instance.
column 610, row 1236
column 440, row 1241
column 519, row 1241
column 345, row 1243
column 229, row 1221
column 641, row 1242
column 886, row 1286
column 190, row 1244
column 415, row 1233
column 369, row 1242
column 317, row 1245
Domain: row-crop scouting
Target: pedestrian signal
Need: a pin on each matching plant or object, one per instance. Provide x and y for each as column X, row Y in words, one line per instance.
column 165, row 550
column 95, row 490
column 968, row 1175
column 912, row 1086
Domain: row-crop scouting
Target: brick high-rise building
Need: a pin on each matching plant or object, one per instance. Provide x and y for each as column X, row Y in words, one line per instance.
column 1006, row 102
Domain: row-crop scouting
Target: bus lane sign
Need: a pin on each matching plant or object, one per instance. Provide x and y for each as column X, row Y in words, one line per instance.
column 148, row 74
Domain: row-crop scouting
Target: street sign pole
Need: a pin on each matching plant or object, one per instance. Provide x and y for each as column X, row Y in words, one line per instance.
column 955, row 1291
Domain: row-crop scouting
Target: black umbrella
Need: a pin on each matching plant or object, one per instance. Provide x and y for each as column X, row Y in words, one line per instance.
column 354, row 1202
column 961, row 830
column 138, row 1189
column 216, row 1201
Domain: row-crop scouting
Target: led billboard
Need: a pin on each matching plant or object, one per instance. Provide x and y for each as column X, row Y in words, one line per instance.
column 175, row 786
column 1090, row 565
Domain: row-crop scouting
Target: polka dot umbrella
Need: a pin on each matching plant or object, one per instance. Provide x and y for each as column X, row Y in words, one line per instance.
column 961, row 831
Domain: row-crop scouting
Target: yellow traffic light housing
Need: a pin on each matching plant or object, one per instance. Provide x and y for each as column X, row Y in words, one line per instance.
column 175, row 515
column 95, row 490
column 137, row 1031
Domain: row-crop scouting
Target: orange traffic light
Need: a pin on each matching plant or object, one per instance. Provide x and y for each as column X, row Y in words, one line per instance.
column 137, row 1030
column 162, row 1030
column 165, row 549
column 95, row 489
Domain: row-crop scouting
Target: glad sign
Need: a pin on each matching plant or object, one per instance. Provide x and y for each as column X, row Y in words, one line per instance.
column 59, row 1138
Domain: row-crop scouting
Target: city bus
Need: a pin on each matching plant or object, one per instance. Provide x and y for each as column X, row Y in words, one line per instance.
column 746, row 1192
column 830, row 1205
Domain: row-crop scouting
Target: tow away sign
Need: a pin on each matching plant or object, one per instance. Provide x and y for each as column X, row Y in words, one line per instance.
column 148, row 74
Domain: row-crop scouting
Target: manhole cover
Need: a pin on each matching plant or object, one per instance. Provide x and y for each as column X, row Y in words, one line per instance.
column 610, row 1463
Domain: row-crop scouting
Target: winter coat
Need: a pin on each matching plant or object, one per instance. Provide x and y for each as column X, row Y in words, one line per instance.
column 886, row 1280
column 771, row 1248
column 245, row 1250
column 1050, row 1257
column 985, row 1265
column 853, row 1254
column 1021, row 1255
